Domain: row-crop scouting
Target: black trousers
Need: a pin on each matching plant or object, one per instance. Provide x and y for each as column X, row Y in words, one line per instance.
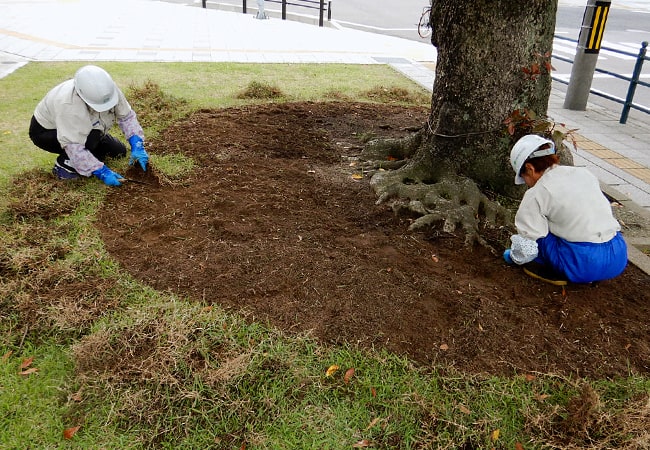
column 101, row 145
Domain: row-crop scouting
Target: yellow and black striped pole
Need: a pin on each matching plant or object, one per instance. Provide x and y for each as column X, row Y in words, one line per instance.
column 584, row 64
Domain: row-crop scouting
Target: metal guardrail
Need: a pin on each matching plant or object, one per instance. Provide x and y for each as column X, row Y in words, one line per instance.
column 320, row 5
column 634, row 80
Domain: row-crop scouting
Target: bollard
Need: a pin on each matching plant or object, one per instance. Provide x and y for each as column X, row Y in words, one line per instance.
column 584, row 64
column 633, row 82
column 261, row 14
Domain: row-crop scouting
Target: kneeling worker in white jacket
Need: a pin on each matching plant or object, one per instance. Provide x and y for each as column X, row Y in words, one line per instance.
column 73, row 121
column 565, row 226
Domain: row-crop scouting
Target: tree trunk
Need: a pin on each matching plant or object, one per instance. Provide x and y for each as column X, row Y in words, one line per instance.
column 492, row 86
column 493, row 59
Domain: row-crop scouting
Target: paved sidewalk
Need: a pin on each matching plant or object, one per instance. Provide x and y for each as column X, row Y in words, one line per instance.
column 146, row 30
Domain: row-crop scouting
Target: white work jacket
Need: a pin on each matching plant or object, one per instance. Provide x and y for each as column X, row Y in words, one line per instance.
column 64, row 110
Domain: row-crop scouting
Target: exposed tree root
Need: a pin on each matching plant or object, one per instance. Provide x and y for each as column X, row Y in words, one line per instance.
column 450, row 202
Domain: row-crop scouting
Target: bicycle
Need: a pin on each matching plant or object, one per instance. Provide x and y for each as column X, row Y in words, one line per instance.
column 424, row 25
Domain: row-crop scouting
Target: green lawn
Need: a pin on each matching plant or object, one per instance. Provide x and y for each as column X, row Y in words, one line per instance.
column 134, row 368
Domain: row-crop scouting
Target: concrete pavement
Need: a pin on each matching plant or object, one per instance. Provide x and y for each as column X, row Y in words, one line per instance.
column 145, row 30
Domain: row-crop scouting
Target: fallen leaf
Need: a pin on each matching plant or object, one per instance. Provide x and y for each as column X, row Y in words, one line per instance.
column 362, row 444
column 69, row 432
column 480, row 328
column 627, row 347
column 6, row 356
column 519, row 446
column 76, row 397
column 464, row 409
column 348, row 374
column 391, row 158
column 29, row 371
column 207, row 308
column 26, row 362
column 541, row 397
column 530, row 377
column 495, row 434
column 331, row 370
column 357, row 176
column 444, row 347
column 373, row 422
column 434, row 258
column 373, row 392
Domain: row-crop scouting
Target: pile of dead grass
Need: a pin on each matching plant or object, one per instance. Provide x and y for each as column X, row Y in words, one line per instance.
column 155, row 107
column 393, row 94
column 260, row 91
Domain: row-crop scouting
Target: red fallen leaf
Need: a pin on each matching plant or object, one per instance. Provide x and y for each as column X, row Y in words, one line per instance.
column 391, row 158
column 69, row 432
column 373, row 392
column 530, row 377
column 26, row 362
column 363, row 443
column 6, row 356
column 519, row 446
column 29, row 371
column 348, row 374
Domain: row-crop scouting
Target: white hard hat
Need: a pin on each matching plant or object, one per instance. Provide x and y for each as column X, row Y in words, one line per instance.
column 526, row 148
column 96, row 87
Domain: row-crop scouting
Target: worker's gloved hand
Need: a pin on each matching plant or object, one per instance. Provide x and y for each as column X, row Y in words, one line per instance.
column 507, row 258
column 108, row 176
column 138, row 153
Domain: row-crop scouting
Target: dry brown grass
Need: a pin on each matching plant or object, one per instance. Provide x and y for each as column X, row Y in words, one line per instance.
column 44, row 285
column 393, row 94
column 587, row 423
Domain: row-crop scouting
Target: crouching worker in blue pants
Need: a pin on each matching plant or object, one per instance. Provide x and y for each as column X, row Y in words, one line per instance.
column 73, row 121
column 566, row 230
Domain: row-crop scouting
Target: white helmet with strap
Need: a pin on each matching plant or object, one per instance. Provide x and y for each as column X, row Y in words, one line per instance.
column 96, row 87
column 526, row 148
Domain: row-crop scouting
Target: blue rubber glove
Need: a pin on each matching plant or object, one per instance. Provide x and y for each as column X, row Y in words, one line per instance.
column 108, row 176
column 138, row 153
column 507, row 258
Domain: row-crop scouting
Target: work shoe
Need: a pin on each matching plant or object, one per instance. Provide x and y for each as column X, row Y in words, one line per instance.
column 64, row 173
column 545, row 274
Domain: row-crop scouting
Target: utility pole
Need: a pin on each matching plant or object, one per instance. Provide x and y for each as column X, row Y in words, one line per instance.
column 584, row 64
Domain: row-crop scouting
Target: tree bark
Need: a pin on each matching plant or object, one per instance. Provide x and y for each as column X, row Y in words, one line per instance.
column 492, row 86
column 493, row 59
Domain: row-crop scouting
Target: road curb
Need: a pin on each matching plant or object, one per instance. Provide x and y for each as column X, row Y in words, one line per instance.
column 636, row 245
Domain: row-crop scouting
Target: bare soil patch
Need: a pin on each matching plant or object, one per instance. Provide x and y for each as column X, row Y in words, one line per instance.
column 272, row 223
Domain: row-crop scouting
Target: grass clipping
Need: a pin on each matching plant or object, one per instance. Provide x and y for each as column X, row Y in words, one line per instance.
column 154, row 107
column 260, row 91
